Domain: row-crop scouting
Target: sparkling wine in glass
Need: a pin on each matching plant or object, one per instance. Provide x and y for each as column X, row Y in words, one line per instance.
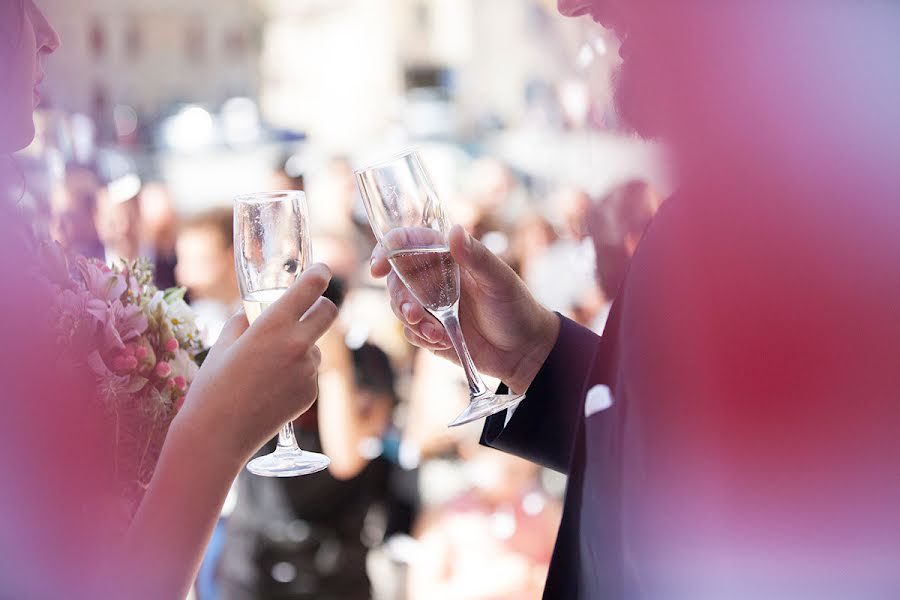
column 271, row 249
column 411, row 225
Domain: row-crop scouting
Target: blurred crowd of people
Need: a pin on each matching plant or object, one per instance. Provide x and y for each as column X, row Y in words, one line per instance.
column 399, row 514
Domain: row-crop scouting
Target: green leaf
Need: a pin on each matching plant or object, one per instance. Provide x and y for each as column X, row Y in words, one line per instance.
column 200, row 357
column 173, row 294
column 137, row 384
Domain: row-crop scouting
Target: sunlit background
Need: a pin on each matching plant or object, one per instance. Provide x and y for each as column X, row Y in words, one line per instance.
column 158, row 112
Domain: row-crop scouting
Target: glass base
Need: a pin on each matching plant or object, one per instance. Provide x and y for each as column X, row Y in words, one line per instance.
column 288, row 462
column 485, row 406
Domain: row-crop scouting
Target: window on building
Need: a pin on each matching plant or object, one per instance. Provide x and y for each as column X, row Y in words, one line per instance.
column 97, row 39
column 428, row 77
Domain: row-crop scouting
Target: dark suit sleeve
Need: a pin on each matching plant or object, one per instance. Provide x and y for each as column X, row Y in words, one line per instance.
column 543, row 426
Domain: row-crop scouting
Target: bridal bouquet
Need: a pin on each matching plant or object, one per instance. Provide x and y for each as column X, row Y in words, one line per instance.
column 139, row 345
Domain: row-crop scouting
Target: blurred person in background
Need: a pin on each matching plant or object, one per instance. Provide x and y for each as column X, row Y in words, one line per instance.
column 559, row 274
column 436, row 389
column 205, row 266
column 118, row 223
column 73, row 203
column 335, row 195
column 616, row 225
column 733, row 433
column 159, row 225
column 573, row 204
column 298, row 538
column 335, row 204
column 287, row 175
column 496, row 189
column 493, row 541
column 533, row 235
column 63, row 530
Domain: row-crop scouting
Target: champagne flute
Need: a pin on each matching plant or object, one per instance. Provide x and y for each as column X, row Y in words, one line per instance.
column 411, row 225
column 271, row 249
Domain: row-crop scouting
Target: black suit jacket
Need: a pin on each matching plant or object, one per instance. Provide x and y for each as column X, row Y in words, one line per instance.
column 752, row 449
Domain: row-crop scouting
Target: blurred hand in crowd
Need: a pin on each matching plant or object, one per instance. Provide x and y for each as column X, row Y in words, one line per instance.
column 509, row 334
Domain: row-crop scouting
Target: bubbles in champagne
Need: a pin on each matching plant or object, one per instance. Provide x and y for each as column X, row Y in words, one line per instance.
column 431, row 275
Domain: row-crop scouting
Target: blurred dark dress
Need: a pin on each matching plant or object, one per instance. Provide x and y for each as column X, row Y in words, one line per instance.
column 307, row 537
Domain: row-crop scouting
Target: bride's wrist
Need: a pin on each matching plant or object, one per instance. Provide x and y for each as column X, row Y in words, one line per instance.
column 191, row 431
column 213, row 433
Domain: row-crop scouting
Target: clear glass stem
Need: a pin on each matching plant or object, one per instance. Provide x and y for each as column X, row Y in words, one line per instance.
column 450, row 321
column 286, row 438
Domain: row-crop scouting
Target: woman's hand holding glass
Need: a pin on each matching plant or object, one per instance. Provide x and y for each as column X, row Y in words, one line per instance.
column 257, row 378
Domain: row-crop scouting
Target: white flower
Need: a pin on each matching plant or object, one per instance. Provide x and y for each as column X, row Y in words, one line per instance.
column 158, row 402
column 157, row 301
column 178, row 315
column 184, row 322
column 184, row 366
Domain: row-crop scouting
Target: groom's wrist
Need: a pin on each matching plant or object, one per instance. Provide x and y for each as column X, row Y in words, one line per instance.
column 541, row 342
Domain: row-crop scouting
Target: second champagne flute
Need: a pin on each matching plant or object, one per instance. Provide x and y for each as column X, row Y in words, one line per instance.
column 409, row 221
column 271, row 249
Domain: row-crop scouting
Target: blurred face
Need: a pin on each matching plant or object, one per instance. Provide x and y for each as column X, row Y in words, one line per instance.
column 648, row 31
column 72, row 213
column 726, row 82
column 339, row 254
column 205, row 263
column 158, row 218
column 118, row 224
column 27, row 43
column 575, row 205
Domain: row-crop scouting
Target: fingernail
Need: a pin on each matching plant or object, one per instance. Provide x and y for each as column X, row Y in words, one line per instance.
column 406, row 308
column 467, row 240
column 431, row 332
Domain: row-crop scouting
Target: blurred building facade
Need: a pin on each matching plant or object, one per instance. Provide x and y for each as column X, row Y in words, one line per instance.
column 151, row 55
column 350, row 70
column 511, row 78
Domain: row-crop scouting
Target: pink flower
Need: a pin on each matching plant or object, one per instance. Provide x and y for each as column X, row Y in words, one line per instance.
column 72, row 307
column 110, row 386
column 179, row 403
column 183, row 365
column 163, row 369
column 141, row 352
column 122, row 324
column 180, row 383
column 101, row 282
column 124, row 363
column 171, row 345
column 133, row 287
